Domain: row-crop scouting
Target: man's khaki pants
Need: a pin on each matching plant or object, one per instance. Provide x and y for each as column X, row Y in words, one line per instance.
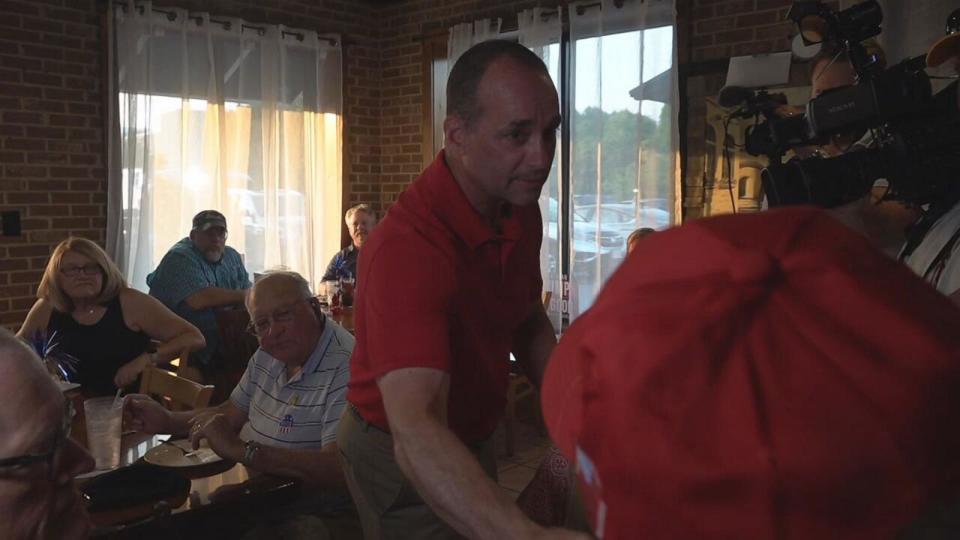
column 388, row 504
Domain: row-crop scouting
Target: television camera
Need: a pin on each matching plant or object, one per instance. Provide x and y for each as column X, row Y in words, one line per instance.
column 907, row 134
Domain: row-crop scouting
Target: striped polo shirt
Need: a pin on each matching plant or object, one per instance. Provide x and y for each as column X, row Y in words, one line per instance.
column 302, row 412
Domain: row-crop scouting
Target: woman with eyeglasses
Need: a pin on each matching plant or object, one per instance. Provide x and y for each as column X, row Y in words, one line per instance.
column 85, row 309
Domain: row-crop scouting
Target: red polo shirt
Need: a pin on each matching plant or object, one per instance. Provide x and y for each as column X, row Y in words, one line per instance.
column 438, row 288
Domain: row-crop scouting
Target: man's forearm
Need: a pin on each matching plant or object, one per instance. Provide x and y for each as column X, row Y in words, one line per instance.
column 315, row 466
column 451, row 481
column 215, row 296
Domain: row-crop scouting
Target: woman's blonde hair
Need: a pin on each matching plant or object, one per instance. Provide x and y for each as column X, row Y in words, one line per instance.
column 50, row 289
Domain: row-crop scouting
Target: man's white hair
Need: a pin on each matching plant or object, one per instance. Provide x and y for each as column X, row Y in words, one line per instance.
column 303, row 286
column 362, row 207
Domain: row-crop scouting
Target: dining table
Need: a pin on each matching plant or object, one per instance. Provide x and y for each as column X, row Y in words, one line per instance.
column 221, row 493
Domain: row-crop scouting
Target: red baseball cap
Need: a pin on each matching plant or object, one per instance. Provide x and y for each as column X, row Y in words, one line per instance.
column 762, row 375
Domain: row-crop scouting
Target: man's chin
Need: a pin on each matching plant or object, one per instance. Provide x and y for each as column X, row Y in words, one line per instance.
column 213, row 256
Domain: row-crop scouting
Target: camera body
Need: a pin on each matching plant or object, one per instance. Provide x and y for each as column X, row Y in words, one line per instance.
column 915, row 133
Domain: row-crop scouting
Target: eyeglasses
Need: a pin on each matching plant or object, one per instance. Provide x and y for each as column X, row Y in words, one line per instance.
column 63, row 432
column 91, row 269
column 261, row 327
column 215, row 232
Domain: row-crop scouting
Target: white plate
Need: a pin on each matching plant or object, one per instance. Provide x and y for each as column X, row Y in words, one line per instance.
column 174, row 454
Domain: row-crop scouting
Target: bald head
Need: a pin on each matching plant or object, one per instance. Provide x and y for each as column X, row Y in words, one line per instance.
column 280, row 283
column 286, row 317
column 21, row 373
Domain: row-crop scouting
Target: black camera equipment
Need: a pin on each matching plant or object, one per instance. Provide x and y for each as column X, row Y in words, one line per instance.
column 915, row 134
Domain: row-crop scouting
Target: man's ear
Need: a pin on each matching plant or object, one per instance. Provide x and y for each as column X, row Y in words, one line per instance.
column 454, row 131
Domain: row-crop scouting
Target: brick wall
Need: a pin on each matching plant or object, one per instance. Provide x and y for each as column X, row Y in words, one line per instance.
column 52, row 113
column 51, row 137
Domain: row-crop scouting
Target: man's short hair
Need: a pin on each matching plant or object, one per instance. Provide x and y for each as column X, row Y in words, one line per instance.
column 207, row 219
column 303, row 286
column 469, row 69
column 362, row 207
column 640, row 233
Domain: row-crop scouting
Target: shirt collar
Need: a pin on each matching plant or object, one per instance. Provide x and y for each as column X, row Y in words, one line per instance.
column 452, row 207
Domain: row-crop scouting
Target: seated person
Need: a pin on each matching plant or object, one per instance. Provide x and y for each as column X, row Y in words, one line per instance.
column 360, row 221
column 782, row 376
column 38, row 459
column 198, row 274
column 85, row 309
column 282, row 417
column 635, row 237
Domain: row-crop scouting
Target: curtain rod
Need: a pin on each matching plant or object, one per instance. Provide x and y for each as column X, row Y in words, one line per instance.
column 261, row 30
column 582, row 8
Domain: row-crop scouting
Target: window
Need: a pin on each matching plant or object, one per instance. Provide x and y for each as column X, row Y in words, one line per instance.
column 229, row 116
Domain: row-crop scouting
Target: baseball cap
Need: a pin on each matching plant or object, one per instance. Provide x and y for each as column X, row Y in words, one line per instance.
column 209, row 218
column 765, row 375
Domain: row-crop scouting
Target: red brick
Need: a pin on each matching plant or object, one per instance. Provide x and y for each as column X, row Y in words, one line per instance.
column 30, row 277
column 67, row 120
column 27, row 198
column 69, row 172
column 7, row 265
column 41, row 51
column 22, row 118
column 23, row 7
column 71, row 223
column 43, row 79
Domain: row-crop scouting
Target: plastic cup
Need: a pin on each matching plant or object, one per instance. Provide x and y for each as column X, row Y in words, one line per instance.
column 104, row 416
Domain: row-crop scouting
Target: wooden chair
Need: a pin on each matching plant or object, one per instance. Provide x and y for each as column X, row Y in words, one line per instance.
column 177, row 393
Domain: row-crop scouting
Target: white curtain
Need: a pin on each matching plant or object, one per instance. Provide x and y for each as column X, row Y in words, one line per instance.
column 623, row 132
column 462, row 37
column 220, row 113
column 541, row 30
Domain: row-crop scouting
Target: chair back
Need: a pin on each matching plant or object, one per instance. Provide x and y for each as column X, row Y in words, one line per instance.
column 177, row 393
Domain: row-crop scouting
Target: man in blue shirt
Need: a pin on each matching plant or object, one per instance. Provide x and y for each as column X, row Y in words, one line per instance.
column 198, row 274
column 360, row 220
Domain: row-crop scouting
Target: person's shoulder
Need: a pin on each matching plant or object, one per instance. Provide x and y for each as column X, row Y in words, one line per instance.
column 232, row 254
column 178, row 253
column 341, row 341
column 132, row 298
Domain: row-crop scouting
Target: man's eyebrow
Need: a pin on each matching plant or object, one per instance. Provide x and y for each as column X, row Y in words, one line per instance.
column 518, row 124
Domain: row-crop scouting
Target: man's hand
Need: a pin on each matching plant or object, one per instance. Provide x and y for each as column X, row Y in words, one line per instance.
column 222, row 438
column 131, row 370
column 142, row 413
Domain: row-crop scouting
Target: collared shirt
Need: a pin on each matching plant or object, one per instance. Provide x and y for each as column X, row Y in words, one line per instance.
column 343, row 264
column 303, row 411
column 184, row 271
column 439, row 288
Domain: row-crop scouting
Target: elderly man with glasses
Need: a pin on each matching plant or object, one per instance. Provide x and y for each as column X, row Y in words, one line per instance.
column 282, row 417
column 199, row 273
column 38, row 460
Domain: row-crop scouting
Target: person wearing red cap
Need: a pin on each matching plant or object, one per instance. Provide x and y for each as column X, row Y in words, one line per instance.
column 772, row 376
column 449, row 286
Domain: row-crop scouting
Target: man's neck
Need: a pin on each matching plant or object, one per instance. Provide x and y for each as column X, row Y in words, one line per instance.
column 489, row 208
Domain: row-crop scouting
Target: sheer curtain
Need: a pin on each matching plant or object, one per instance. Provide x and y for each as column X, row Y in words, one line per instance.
column 461, row 37
column 541, row 30
column 623, row 133
column 219, row 113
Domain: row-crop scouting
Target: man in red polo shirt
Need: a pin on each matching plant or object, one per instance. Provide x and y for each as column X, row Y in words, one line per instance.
column 449, row 286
